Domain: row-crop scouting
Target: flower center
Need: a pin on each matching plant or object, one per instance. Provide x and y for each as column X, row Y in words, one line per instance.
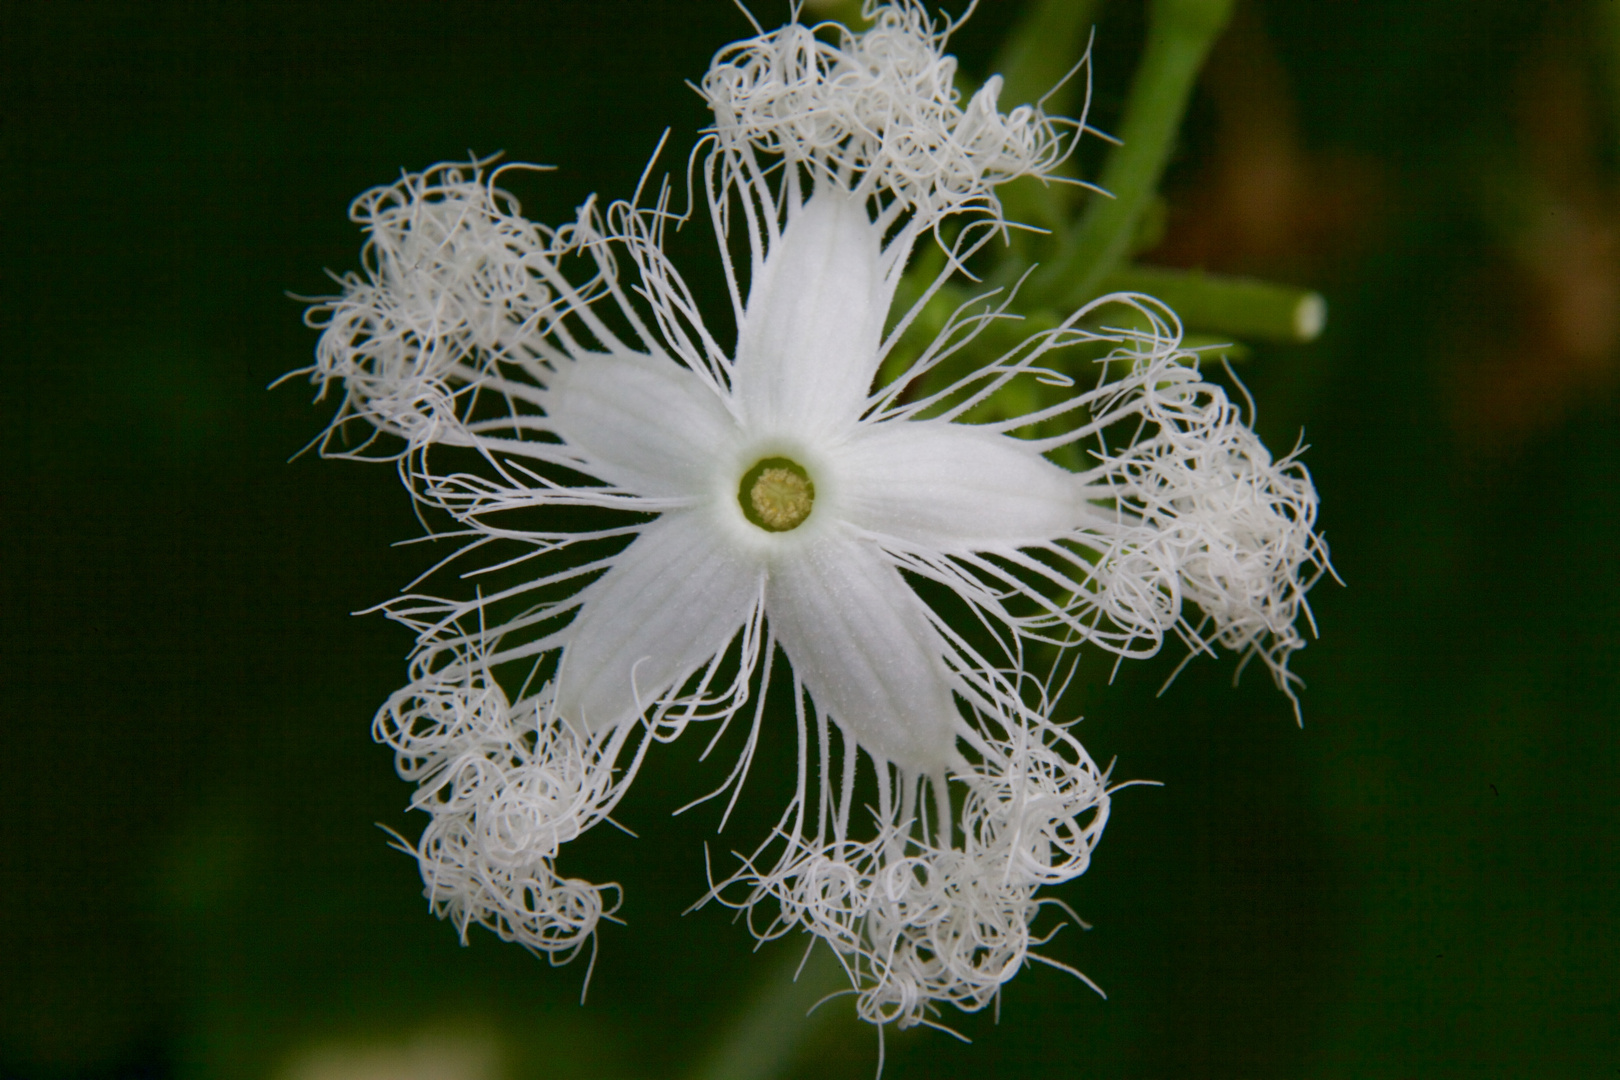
column 776, row 494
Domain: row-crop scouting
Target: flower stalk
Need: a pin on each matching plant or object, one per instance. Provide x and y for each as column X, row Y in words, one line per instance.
column 1215, row 304
column 1180, row 35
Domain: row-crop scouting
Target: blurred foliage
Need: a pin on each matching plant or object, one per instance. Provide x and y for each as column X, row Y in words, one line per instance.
column 1422, row 881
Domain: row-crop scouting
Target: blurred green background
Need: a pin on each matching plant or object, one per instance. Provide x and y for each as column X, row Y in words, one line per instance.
column 1421, row 882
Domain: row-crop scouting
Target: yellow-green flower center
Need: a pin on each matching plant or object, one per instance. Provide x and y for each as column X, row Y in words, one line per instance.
column 776, row 494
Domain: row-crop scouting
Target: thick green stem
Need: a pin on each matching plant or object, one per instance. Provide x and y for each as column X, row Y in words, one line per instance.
column 1242, row 307
column 1180, row 33
column 776, row 1020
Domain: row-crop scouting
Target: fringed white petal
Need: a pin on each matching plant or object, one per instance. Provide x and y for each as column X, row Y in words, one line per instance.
column 1212, row 519
column 450, row 285
column 951, row 488
column 673, row 599
column 861, row 641
column 505, row 786
column 1240, row 530
column 879, row 113
column 808, row 348
column 642, row 423
column 921, row 917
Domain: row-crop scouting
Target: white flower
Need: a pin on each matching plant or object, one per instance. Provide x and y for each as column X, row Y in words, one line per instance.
column 654, row 516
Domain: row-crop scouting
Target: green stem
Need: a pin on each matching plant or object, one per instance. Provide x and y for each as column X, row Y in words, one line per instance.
column 1180, row 33
column 1242, row 307
column 776, row 1020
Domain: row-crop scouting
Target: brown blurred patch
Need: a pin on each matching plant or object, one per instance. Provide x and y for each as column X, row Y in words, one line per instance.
column 1533, row 334
column 1262, row 204
column 1536, row 325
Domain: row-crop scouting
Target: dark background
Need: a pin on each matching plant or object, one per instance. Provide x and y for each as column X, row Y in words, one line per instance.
column 1422, row 881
